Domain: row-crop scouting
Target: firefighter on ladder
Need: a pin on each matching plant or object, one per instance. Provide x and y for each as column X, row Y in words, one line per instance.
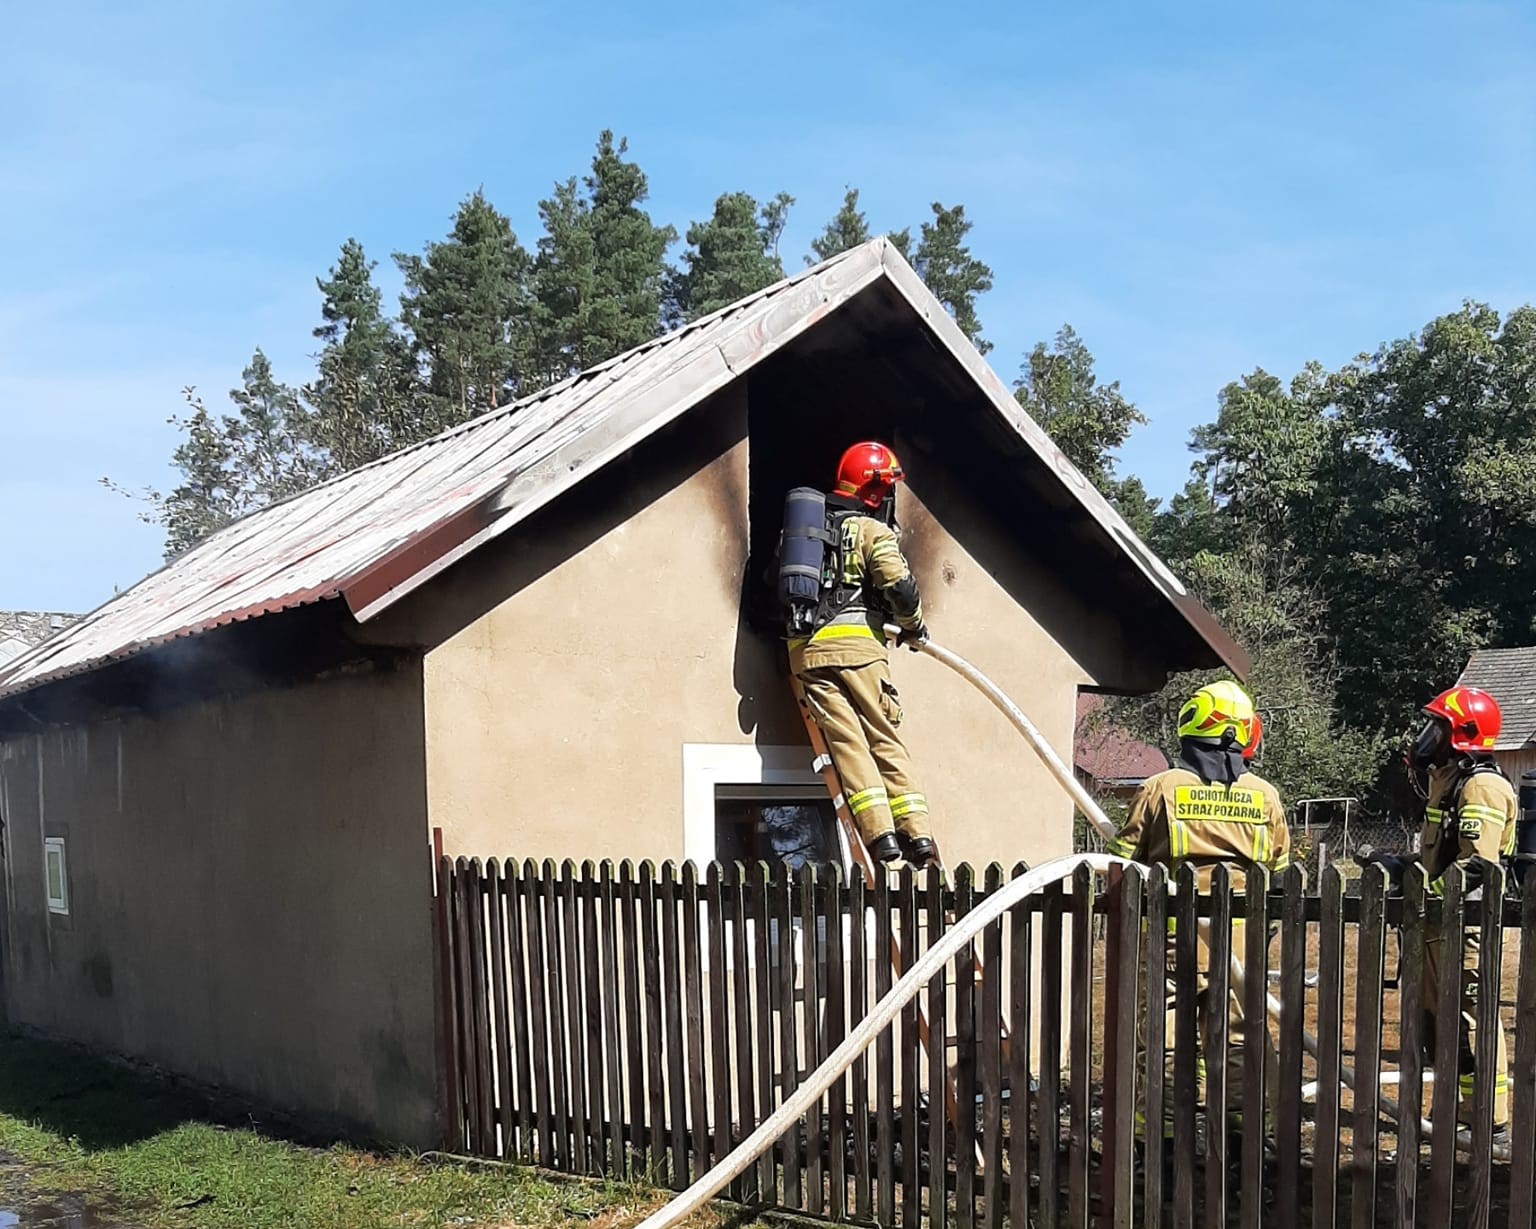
column 1469, row 813
column 842, row 663
column 1210, row 810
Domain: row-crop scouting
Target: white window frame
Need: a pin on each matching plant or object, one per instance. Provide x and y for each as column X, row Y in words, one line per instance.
column 56, row 904
column 715, row 770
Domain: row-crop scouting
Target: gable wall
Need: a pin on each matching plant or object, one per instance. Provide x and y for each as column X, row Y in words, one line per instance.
column 557, row 710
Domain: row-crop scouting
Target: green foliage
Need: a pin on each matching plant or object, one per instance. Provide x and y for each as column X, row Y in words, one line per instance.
column 944, row 262
column 731, row 255
column 600, row 272
column 364, row 400
column 1087, row 420
column 847, row 229
column 466, row 307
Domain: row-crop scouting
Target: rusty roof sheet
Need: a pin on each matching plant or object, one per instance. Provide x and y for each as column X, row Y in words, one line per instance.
column 377, row 532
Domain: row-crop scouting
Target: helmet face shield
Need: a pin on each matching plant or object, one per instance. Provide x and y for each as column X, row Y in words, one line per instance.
column 1433, row 745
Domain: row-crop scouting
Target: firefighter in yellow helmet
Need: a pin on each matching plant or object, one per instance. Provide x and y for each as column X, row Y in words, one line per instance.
column 1470, row 813
column 839, row 658
column 1209, row 810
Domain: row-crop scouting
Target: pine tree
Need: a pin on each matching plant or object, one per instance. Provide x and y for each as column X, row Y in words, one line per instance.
column 847, row 229
column 466, row 308
column 363, row 399
column 733, row 254
column 945, row 263
column 600, row 272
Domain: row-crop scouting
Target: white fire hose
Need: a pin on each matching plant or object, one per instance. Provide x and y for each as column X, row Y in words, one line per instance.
column 936, row 957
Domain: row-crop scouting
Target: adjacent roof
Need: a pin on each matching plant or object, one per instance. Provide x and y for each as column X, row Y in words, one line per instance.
column 21, row 630
column 378, row 532
column 1108, row 753
column 1509, row 676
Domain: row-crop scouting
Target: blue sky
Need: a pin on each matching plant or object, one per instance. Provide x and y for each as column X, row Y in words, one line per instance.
column 1197, row 188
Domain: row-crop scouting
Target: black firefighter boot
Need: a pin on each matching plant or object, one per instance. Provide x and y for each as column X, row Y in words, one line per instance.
column 920, row 851
column 884, row 848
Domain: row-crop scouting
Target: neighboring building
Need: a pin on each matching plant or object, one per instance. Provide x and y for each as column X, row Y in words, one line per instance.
column 1509, row 676
column 1107, row 758
column 541, row 633
column 21, row 630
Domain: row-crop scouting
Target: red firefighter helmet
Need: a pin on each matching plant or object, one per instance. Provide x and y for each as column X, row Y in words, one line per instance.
column 868, row 472
column 1255, row 736
column 1472, row 714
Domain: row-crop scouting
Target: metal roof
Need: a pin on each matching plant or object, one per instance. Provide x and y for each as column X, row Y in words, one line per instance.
column 1509, row 676
column 376, row 533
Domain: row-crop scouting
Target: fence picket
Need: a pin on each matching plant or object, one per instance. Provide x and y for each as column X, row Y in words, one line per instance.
column 697, row 1063
column 1522, row 1086
column 1052, row 952
column 1020, row 1019
column 1153, row 1054
column 1120, row 1059
column 789, row 1055
column 1366, row 1119
column 592, row 1013
column 656, row 1031
column 483, row 1141
column 612, row 1012
column 761, row 902
column 1443, row 947
column 835, row 1015
column 1256, row 1056
column 677, row 1064
column 911, row 1190
column 965, row 1061
column 538, row 967
column 575, row 1025
column 938, row 1067
column 810, row 1003
column 1330, row 1037
column 885, row 1126
column 635, row 1015
column 1410, row 1035
column 1293, row 1010
column 1216, row 1049
column 1185, row 1047
column 747, row 1186
column 990, row 1025
column 719, row 1012
column 1490, row 973
column 1080, row 1050
column 449, row 988
column 495, row 891
column 858, row 1007
column 558, row 1033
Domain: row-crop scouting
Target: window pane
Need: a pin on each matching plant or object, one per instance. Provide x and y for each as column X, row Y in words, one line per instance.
column 55, row 877
column 799, row 833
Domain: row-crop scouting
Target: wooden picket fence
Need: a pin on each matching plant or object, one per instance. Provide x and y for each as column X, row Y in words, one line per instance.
column 639, row 1022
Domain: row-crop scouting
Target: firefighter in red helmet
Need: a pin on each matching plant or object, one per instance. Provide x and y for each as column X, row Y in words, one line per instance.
column 842, row 664
column 1470, row 812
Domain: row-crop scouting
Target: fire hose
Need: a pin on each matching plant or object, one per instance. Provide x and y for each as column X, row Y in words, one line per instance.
column 936, row 957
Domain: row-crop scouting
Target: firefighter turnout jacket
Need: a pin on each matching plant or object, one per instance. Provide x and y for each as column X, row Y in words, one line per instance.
column 883, row 588
column 1177, row 818
column 1471, row 813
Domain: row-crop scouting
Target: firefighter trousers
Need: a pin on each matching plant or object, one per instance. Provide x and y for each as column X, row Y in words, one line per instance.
column 1434, row 958
column 859, row 715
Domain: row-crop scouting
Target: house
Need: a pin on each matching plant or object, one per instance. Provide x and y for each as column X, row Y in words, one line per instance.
column 1106, row 757
column 21, row 630
column 541, row 634
column 1509, row 676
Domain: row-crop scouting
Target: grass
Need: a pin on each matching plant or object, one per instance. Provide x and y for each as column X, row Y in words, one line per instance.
column 161, row 1155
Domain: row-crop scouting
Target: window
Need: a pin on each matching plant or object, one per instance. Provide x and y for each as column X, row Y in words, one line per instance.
column 56, row 871
column 766, row 823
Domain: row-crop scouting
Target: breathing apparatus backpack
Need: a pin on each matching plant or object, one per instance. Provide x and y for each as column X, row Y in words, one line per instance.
column 1524, row 861
column 811, row 562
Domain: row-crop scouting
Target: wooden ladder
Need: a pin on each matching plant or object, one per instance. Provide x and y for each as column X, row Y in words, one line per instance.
column 822, row 764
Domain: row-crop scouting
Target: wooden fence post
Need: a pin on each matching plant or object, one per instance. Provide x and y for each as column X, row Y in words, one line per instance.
column 1366, row 1120
column 1330, row 1042
column 1410, row 1061
column 1490, row 970
column 1522, row 1085
column 1443, row 950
